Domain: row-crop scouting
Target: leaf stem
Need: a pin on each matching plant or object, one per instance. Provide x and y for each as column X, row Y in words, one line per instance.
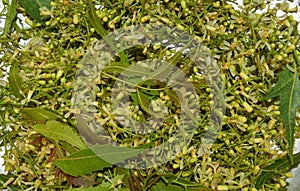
column 296, row 58
column 252, row 30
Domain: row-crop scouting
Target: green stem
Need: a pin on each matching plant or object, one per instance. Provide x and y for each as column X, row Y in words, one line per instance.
column 296, row 58
column 252, row 30
column 109, row 3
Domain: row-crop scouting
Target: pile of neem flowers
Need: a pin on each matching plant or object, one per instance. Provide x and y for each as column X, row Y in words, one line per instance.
column 257, row 55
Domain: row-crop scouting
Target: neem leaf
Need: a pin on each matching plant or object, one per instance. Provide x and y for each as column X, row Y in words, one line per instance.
column 95, row 158
column 279, row 165
column 174, row 97
column 134, row 98
column 86, row 132
column 115, row 154
column 69, row 148
column 144, row 100
column 97, row 188
column 152, row 92
column 10, row 16
column 93, row 18
column 171, row 187
column 15, row 82
column 105, row 185
column 81, row 163
column 94, row 21
column 38, row 114
column 175, row 184
column 32, row 8
column 288, row 89
column 118, row 68
column 60, row 132
column 114, row 68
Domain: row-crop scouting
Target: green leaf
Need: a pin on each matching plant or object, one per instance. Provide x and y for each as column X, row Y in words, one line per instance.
column 118, row 68
column 174, row 97
column 170, row 187
column 288, row 89
column 278, row 166
column 123, row 189
column 172, row 183
column 87, row 133
column 92, row 17
column 144, row 101
column 143, row 98
column 94, row 20
column 115, row 154
column 60, row 132
column 95, row 158
column 134, row 98
column 15, row 82
column 115, row 68
column 153, row 92
column 97, row 188
column 10, row 16
column 38, row 114
column 67, row 147
column 32, row 8
column 86, row 183
column 81, row 163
